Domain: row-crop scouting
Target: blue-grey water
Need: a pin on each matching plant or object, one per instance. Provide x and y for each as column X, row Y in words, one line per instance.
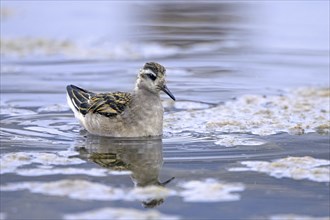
column 251, row 80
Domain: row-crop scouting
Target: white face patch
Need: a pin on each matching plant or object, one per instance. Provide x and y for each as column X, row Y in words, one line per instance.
column 150, row 80
column 149, row 71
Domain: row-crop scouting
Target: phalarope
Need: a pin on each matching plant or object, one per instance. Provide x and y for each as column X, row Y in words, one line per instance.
column 121, row 114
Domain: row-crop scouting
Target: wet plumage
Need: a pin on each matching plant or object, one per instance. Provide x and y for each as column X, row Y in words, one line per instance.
column 121, row 114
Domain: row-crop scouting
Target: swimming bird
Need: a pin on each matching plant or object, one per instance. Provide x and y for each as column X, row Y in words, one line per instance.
column 121, row 114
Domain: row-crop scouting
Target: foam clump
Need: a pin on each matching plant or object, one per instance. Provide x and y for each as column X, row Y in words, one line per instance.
column 86, row 190
column 210, row 190
column 148, row 192
column 9, row 162
column 43, row 171
column 235, row 140
column 298, row 111
column 296, row 217
column 75, row 189
column 297, row 168
column 120, row 214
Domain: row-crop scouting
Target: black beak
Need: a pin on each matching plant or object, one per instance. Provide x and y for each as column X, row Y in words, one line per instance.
column 168, row 92
column 167, row 181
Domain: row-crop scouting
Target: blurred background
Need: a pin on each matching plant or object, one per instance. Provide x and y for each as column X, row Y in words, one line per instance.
column 221, row 49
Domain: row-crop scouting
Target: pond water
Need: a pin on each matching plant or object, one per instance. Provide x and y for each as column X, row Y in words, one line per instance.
column 247, row 138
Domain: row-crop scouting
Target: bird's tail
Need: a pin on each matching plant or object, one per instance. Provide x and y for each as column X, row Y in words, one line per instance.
column 79, row 98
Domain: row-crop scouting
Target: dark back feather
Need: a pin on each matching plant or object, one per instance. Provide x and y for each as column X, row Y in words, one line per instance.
column 107, row 104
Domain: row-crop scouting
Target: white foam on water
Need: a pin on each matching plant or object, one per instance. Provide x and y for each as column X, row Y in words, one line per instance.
column 61, row 171
column 297, row 168
column 75, row 189
column 296, row 217
column 53, row 108
column 86, row 190
column 210, row 190
column 9, row 162
column 121, row 214
column 298, row 111
column 184, row 105
column 151, row 192
column 235, row 140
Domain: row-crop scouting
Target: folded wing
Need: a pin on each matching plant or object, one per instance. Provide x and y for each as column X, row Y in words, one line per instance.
column 107, row 104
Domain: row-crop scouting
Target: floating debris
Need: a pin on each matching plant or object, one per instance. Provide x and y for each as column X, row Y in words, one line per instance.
column 210, row 190
column 297, row 168
column 120, row 214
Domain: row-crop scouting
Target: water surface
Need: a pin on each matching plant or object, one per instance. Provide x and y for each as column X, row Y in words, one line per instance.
column 251, row 81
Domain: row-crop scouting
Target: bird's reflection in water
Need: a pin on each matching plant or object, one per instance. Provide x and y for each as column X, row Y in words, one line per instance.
column 142, row 156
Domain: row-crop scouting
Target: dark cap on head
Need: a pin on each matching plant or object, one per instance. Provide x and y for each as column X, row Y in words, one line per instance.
column 155, row 67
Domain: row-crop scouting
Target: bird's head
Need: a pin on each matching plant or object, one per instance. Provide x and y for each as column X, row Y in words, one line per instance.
column 152, row 78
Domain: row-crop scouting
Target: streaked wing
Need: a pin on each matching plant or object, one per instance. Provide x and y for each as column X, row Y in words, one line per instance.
column 109, row 104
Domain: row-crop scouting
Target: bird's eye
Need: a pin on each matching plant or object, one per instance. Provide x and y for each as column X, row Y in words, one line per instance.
column 151, row 76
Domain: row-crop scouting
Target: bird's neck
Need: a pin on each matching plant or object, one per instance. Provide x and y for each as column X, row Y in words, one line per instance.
column 147, row 108
column 144, row 94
